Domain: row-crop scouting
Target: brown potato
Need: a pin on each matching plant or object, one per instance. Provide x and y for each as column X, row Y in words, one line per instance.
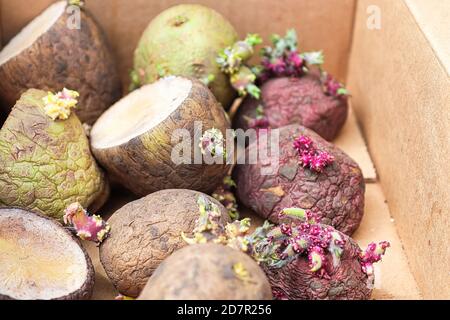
column 136, row 138
column 41, row 260
column 145, row 232
column 208, row 272
column 50, row 53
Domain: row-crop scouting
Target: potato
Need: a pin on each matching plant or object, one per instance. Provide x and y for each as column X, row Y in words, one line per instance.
column 207, row 272
column 51, row 53
column 306, row 260
column 296, row 281
column 145, row 232
column 185, row 40
column 295, row 101
column 46, row 164
column 135, row 139
column 336, row 193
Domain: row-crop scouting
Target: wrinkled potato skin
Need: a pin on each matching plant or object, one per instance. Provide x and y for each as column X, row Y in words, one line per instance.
column 336, row 194
column 185, row 40
column 76, row 59
column 205, row 272
column 144, row 165
column 296, row 101
column 86, row 290
column 46, row 165
column 145, row 232
column 348, row 282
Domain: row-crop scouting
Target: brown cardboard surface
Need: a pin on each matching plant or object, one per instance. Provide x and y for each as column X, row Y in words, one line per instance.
column 321, row 24
column 433, row 18
column 16, row 14
column 393, row 279
column 401, row 96
column 351, row 141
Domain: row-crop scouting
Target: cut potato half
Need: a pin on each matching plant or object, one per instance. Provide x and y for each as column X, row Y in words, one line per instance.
column 40, row 260
column 134, row 140
column 52, row 52
column 139, row 112
column 33, row 31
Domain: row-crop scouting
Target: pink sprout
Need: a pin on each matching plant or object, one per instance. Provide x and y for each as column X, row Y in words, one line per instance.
column 373, row 253
column 279, row 245
column 333, row 87
column 295, row 60
column 303, row 142
column 261, row 123
column 296, row 245
column 277, row 66
column 286, row 229
column 310, row 157
column 298, row 234
column 87, row 227
column 313, row 217
column 288, row 65
column 308, row 238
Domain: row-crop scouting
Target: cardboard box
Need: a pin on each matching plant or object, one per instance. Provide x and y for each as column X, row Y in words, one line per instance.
column 399, row 79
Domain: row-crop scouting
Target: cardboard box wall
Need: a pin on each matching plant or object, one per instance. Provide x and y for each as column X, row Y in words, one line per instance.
column 382, row 66
column 399, row 79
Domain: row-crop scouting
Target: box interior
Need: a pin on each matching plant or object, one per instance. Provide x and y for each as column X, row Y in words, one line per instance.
column 398, row 76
